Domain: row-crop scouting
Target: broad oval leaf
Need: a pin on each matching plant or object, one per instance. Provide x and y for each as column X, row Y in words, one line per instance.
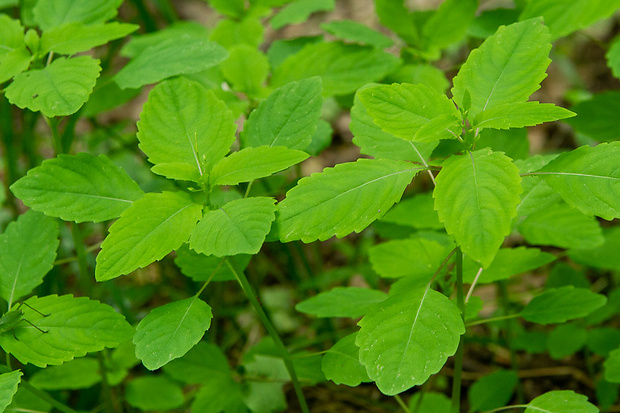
column 416, row 257
column 246, row 70
column 298, row 11
column 239, row 227
column 508, row 67
column 73, row 38
column 507, row 262
column 184, row 129
column 342, row 302
column 254, row 163
column 14, row 57
column 8, row 387
column 52, row 13
column 588, row 178
column 519, row 115
column 200, row 267
column 204, row 363
column 59, row 89
column 357, row 33
column 476, row 197
column 492, row 391
column 342, row 199
column 74, row 325
column 341, row 363
column 152, row 227
column 170, row 331
column 170, row 58
column 288, row 117
column 27, row 252
column 561, row 401
column 158, row 393
column 611, row 366
column 407, row 338
column 596, row 117
column 78, row 188
column 76, row 374
column 558, row 305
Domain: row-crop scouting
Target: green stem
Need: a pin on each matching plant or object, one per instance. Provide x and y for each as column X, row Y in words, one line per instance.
column 10, row 159
column 53, row 125
column 514, row 406
column 46, row 397
column 249, row 292
column 492, row 319
column 458, row 358
column 105, row 386
column 80, row 251
column 508, row 334
column 166, row 9
column 401, row 403
column 149, row 23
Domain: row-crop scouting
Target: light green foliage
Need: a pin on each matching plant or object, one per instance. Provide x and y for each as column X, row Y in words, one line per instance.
column 613, row 57
column 407, row 338
column 424, row 74
column 566, row 16
column 77, row 374
column 298, row 11
column 254, row 163
column 349, row 302
column 288, row 117
column 154, row 393
column 588, row 179
column 8, row 387
column 239, row 227
column 59, row 89
column 73, row 38
column 152, row 227
column 170, row 331
column 184, row 129
column 566, row 340
column 229, row 33
column 508, row 262
column 417, row 257
column 476, row 198
column 52, row 13
column 341, row 363
column 343, row 67
column 394, row 15
column 537, row 195
column 612, row 367
column 170, row 58
column 343, row 199
column 416, row 212
column 558, row 305
column 561, row 401
column 246, row 69
column 596, row 117
column 74, row 327
column 78, row 188
column 507, row 68
column 200, row 267
column 27, row 252
column 281, row 49
column 179, row 31
column 14, row 57
column 429, row 402
column 492, row 391
column 403, row 110
column 519, row 115
column 601, row 256
column 358, row 33
column 232, row 8
column 448, row 24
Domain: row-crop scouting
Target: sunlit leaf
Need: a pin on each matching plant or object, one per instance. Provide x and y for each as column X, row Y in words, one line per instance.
column 72, row 38
column 349, row 302
column 52, row 13
column 558, row 305
column 341, row 363
column 8, row 387
column 561, row 401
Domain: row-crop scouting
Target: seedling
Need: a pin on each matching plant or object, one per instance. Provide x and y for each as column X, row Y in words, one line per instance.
column 10, row 320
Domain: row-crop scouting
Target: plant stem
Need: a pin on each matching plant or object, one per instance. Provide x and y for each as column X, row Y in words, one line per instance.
column 401, row 403
column 46, row 397
column 249, row 292
column 503, row 293
column 458, row 358
column 492, row 319
column 80, row 251
column 105, row 386
column 10, row 160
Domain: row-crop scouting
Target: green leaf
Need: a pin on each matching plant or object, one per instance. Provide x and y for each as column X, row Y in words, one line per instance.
column 179, row 31
column 613, row 58
column 558, row 305
column 407, row 338
column 394, row 15
column 73, row 38
column 53, row 13
column 601, row 256
column 170, row 58
column 204, row 363
column 170, row 331
column 561, row 401
column 229, row 33
column 430, row 402
column 75, row 375
column 507, row 262
column 288, row 117
column 222, row 395
column 519, row 115
column 351, row 302
column 342, row 199
column 75, row 326
column 596, row 117
column 513, row 142
column 588, row 179
column 420, row 73
column 239, row 227
column 418, row 258
column 8, row 387
column 154, row 393
column 566, row 16
column 184, row 129
column 232, row 8
column 152, row 227
column 612, row 367
column 416, row 212
column 59, row 89
column 254, row 163
column 561, row 226
column 246, row 69
column 78, row 188
column 565, row 340
column 343, row 67
column 200, row 267
column 476, row 197
column 27, row 252
column 341, row 363
column 507, row 68
column 449, row 23
column 358, row 33
column 492, row 391
column 298, row 11
column 14, row 57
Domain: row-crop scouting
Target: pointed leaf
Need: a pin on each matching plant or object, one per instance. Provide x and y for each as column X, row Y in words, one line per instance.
column 178, row 31
column 507, row 262
column 254, row 163
column 73, row 38
column 298, row 11
column 239, row 227
column 416, row 257
column 200, row 267
column 27, row 253
column 204, row 363
column 476, row 197
column 596, row 117
column 14, row 57
column 341, row 363
column 449, row 23
column 507, row 68
column 75, row 326
column 52, row 13
column 492, row 391
column 246, row 69
column 150, row 393
column 611, row 366
column 59, row 89
column 152, row 227
column 287, row 117
column 170, row 331
column 416, row 212
column 78, row 188
column 170, row 58
column 407, row 338
column 558, row 305
column 74, row 375
column 343, row 199
column 357, row 33
column 403, row 109
column 351, row 302
column 588, row 179
column 519, row 115
column 561, row 401
column 8, row 387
